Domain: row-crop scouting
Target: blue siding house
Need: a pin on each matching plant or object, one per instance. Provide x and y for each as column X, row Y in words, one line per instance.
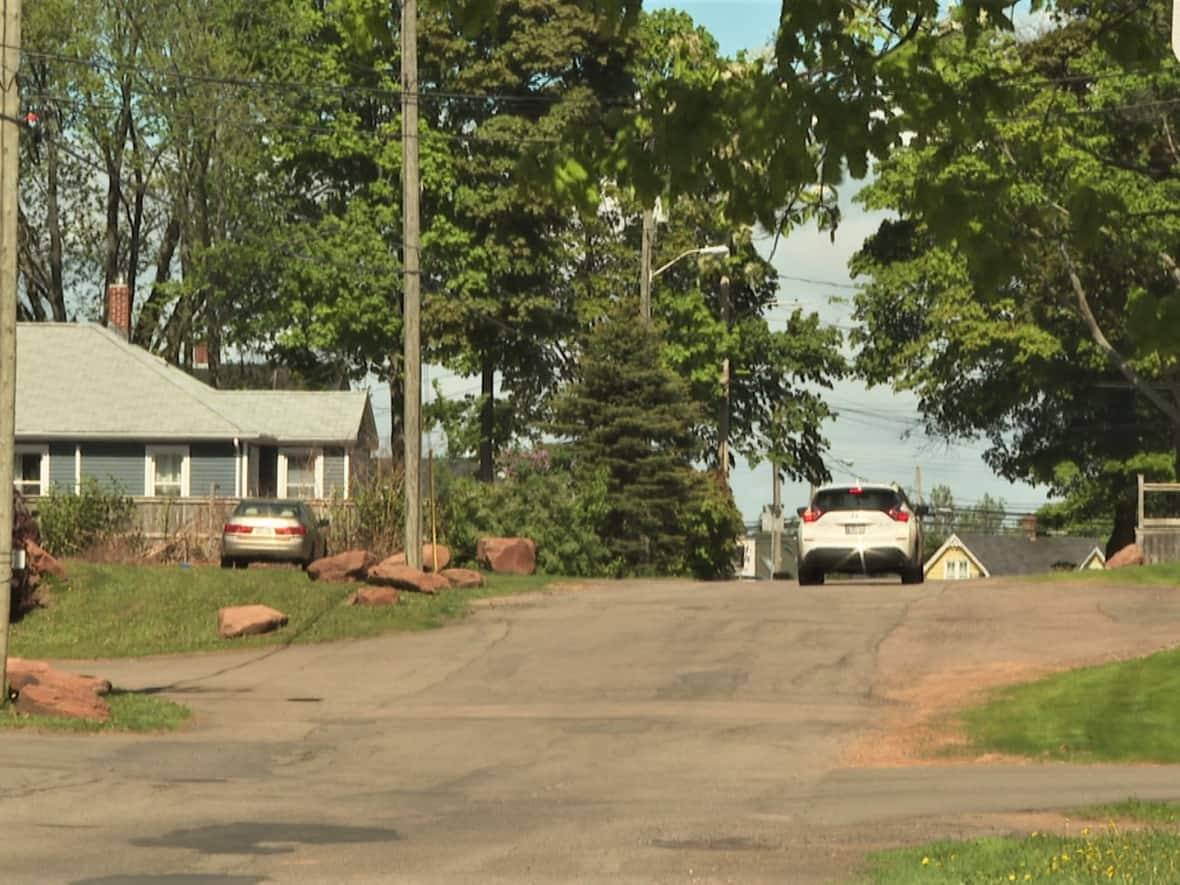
column 90, row 405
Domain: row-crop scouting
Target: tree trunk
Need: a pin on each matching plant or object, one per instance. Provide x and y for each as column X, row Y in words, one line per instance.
column 1126, row 514
column 487, row 423
column 147, row 327
column 397, row 409
column 56, row 293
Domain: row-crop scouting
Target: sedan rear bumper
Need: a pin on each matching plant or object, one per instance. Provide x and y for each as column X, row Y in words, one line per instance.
column 279, row 548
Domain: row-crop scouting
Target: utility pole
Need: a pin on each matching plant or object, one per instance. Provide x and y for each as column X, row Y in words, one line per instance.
column 918, row 484
column 412, row 288
column 776, row 531
column 9, row 169
column 723, row 422
column 649, row 227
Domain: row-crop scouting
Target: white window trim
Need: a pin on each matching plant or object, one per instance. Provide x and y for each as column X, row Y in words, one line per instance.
column 78, row 469
column 293, row 453
column 954, row 570
column 149, row 471
column 43, row 470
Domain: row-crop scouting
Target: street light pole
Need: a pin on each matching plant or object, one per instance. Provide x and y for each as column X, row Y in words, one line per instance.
column 723, row 422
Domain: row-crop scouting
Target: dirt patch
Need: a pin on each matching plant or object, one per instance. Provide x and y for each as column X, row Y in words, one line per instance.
column 955, row 646
column 921, row 729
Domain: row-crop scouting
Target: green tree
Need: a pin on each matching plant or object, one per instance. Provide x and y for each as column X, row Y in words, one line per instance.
column 630, row 416
column 1023, row 291
column 986, row 516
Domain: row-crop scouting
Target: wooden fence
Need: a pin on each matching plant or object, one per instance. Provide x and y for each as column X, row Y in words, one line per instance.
column 1158, row 536
column 203, row 518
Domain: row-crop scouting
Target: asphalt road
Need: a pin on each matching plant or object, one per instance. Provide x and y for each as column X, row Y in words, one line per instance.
column 626, row 732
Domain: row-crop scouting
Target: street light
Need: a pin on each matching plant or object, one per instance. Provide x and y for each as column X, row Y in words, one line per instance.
column 649, row 275
column 703, row 250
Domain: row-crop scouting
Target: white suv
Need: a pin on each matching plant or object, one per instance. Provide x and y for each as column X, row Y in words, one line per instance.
column 867, row 528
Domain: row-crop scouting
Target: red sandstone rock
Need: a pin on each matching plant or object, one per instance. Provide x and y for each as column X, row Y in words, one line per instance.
column 1129, row 555
column 376, row 596
column 391, row 573
column 246, row 620
column 444, row 557
column 513, row 556
column 43, row 691
column 352, row 565
column 464, row 578
column 42, row 563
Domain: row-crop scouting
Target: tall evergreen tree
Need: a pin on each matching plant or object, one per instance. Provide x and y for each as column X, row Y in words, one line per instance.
column 631, row 416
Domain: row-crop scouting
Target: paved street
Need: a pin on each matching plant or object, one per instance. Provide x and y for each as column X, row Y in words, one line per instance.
column 630, row 732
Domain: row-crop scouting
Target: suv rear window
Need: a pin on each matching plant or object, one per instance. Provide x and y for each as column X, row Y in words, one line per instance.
column 866, row 499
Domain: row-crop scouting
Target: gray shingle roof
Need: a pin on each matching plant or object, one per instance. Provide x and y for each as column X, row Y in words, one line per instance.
column 84, row 381
column 1017, row 555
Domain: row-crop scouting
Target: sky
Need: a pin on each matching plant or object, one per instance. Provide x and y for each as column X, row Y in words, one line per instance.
column 876, row 435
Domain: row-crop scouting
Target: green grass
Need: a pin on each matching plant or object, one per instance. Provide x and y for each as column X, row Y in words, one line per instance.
column 1137, row 810
column 130, row 711
column 1163, row 574
column 113, row 611
column 1125, row 711
column 1110, row 855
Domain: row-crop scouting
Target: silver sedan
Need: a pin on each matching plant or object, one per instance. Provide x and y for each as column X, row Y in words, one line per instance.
column 273, row 531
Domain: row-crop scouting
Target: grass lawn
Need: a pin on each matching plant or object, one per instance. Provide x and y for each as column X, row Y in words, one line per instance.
column 112, row 611
column 1108, row 855
column 1137, row 810
column 1125, row 711
column 130, row 711
column 1167, row 573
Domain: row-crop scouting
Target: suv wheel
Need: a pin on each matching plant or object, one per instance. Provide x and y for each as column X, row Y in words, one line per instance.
column 809, row 577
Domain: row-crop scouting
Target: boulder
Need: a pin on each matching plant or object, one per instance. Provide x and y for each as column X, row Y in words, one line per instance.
column 41, row 562
column 463, row 578
column 444, row 557
column 391, row 573
column 43, row 691
column 247, row 620
column 352, row 565
column 1129, row 555
column 375, row 596
column 512, row 556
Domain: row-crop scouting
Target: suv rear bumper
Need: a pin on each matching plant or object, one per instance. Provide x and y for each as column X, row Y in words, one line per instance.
column 856, row 560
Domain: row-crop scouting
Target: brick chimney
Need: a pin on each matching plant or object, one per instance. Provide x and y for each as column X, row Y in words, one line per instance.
column 1028, row 525
column 201, row 355
column 119, row 307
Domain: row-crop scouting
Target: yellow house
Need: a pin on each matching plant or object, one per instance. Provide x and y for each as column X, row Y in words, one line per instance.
column 970, row 555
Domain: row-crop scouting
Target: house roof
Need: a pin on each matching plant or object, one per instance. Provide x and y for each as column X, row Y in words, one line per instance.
column 84, row 381
column 1019, row 555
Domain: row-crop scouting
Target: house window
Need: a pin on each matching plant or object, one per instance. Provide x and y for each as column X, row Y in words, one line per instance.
column 30, row 470
column 301, row 473
column 957, row 569
column 167, row 472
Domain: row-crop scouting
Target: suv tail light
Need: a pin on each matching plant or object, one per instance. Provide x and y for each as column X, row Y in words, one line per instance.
column 291, row 530
column 899, row 515
column 233, row 528
column 810, row 515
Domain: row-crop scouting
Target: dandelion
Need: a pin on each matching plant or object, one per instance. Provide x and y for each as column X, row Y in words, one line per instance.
column 925, row 861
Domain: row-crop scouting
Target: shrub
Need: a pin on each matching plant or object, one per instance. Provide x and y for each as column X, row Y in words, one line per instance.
column 712, row 524
column 562, row 512
column 73, row 523
column 375, row 519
